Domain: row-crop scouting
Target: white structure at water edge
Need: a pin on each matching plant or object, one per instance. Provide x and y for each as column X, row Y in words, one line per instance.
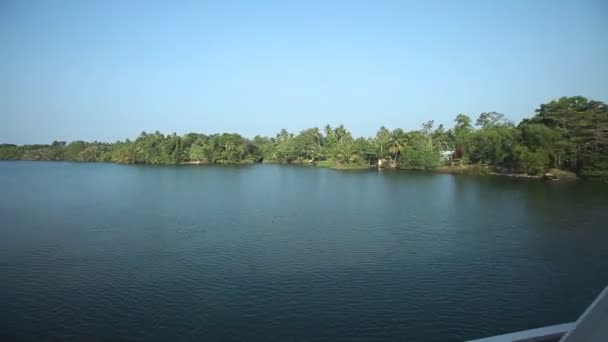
column 446, row 155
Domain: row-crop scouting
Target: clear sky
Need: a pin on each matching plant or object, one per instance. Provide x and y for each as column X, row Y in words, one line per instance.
column 107, row 70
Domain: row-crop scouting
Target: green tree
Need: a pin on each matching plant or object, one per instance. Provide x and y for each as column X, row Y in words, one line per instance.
column 420, row 153
column 568, row 133
column 397, row 142
column 584, row 128
column 491, row 119
column 461, row 134
column 383, row 137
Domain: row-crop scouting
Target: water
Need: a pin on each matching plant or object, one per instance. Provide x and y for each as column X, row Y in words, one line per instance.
column 280, row 253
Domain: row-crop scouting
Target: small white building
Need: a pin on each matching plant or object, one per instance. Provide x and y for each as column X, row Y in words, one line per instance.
column 446, row 155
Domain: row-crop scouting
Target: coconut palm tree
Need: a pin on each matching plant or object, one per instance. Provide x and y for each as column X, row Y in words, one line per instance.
column 341, row 133
column 396, row 143
column 382, row 139
column 318, row 136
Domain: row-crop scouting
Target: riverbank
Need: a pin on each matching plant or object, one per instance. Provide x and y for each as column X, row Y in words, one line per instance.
column 464, row 169
column 474, row 169
column 198, row 162
column 326, row 164
column 194, row 163
column 480, row 170
column 551, row 174
column 337, row 166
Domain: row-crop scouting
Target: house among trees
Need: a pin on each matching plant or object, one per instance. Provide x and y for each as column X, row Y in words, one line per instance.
column 446, row 155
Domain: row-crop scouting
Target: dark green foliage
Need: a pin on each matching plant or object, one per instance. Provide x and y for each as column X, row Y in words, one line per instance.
column 570, row 133
column 10, row 152
column 73, row 149
column 422, row 153
column 578, row 140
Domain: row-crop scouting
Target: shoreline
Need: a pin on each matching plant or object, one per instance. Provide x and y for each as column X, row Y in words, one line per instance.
column 517, row 175
column 552, row 174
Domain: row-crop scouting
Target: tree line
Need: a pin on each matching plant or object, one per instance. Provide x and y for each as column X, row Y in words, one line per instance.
column 570, row 133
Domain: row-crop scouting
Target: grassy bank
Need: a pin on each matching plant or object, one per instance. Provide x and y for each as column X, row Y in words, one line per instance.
column 199, row 162
column 333, row 165
column 480, row 169
column 562, row 174
column 473, row 169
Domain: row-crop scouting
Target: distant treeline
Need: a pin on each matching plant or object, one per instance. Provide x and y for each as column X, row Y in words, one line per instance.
column 570, row 133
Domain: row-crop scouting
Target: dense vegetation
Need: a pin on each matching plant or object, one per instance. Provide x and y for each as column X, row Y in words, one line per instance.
column 568, row 134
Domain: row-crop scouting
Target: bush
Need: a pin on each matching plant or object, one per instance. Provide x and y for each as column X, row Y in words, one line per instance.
column 326, row 163
column 420, row 159
column 532, row 162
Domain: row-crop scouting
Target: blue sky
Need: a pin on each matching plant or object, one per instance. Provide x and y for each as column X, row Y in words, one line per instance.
column 107, row 70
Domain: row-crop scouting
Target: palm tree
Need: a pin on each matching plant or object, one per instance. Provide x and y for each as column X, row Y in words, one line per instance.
column 328, row 131
column 318, row 136
column 330, row 142
column 340, row 133
column 284, row 135
column 382, row 139
column 396, row 143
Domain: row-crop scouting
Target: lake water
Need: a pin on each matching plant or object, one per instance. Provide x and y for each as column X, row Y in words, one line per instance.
column 281, row 253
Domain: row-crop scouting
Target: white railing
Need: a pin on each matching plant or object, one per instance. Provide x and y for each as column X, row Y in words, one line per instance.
column 592, row 326
column 550, row 333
